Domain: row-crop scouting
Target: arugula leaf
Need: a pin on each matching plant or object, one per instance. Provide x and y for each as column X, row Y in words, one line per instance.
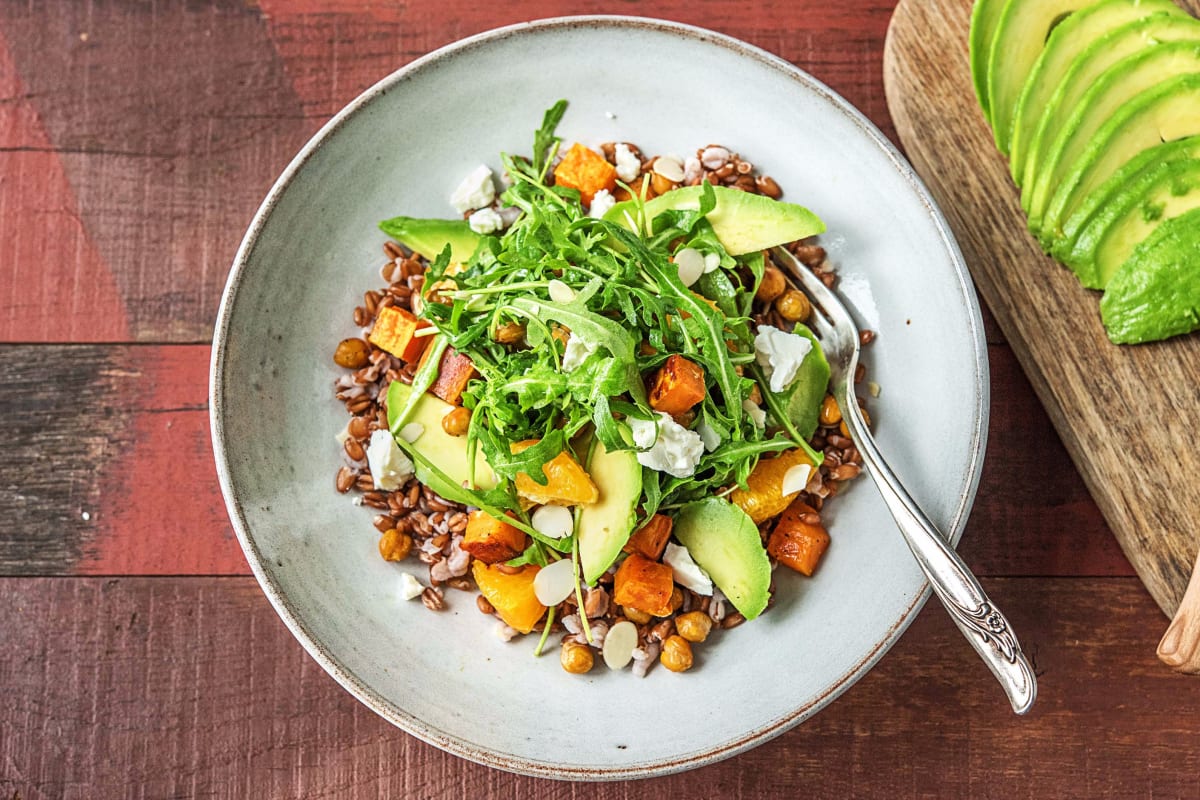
column 544, row 138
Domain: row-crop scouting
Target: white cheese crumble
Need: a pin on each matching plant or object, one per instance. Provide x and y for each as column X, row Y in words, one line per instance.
column 389, row 465
column 688, row 573
column 711, row 439
column 602, row 201
column 780, row 354
column 475, row 191
column 673, row 448
column 410, row 587
column 578, row 349
column 485, row 220
column 628, row 165
column 755, row 412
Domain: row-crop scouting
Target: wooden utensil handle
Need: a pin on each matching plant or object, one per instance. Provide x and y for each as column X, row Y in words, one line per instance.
column 1180, row 645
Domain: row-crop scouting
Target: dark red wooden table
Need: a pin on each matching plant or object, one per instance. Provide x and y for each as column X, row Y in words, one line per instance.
column 137, row 656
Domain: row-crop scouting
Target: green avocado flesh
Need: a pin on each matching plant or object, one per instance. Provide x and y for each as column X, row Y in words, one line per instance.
column 1020, row 36
column 429, row 237
column 803, row 397
column 726, row 544
column 1087, row 68
column 1066, row 42
column 1136, row 80
column 447, row 453
column 743, row 222
column 604, row 526
column 1166, row 191
column 985, row 16
column 1169, row 111
column 1156, row 292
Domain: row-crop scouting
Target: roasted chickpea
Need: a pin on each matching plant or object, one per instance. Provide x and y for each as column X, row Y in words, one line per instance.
column 394, row 545
column 509, row 333
column 793, row 306
column 456, row 421
column 773, row 284
column 635, row 615
column 866, row 418
column 693, row 626
column 676, row 599
column 676, row 654
column 352, row 353
column 830, row 413
column 576, row 658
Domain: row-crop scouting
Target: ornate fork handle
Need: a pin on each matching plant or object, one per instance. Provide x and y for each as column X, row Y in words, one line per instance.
column 980, row 621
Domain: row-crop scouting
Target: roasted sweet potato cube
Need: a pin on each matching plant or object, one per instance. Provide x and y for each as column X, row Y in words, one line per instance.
column 645, row 585
column 567, row 484
column 650, row 540
column 492, row 540
column 585, row 170
column 797, row 540
column 454, row 372
column 512, row 595
column 395, row 331
column 677, row 386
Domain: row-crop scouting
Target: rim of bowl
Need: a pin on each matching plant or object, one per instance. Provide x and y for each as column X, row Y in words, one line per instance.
column 348, row 679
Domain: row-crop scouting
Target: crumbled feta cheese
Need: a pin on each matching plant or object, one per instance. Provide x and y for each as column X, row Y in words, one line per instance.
column 673, row 448
column 389, row 465
column 509, row 215
column 410, row 587
column 578, row 349
column 504, row 632
column 485, row 221
column 688, row 573
column 755, row 412
column 692, row 169
column 602, row 201
column 711, row 439
column 475, row 191
column 628, row 165
column 780, row 354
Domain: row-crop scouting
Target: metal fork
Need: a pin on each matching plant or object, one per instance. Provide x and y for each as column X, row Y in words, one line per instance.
column 980, row 621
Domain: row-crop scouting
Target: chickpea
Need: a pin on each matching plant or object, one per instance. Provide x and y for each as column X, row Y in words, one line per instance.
column 793, row 306
column 676, row 599
column 830, row 413
column 509, row 333
column 676, row 654
column 351, row 353
column 394, row 545
column 693, row 626
column 456, row 422
column 576, row 658
column 773, row 284
column 635, row 615
column 866, row 418
column 660, row 184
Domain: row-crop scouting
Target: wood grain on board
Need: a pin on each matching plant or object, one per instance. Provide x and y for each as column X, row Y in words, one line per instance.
column 1124, row 413
column 192, row 687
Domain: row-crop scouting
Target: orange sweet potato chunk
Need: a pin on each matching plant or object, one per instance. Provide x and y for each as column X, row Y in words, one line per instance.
column 645, row 585
column 568, row 484
column 650, row 540
column 511, row 595
column 395, row 331
column 796, row 543
column 585, row 170
column 677, row 386
column 492, row 540
column 454, row 372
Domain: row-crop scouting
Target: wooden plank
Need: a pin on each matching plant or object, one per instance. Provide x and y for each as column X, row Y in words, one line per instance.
column 121, row 435
column 193, row 688
column 1116, row 408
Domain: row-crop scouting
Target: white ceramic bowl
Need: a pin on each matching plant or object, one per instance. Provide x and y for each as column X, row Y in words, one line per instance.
column 400, row 148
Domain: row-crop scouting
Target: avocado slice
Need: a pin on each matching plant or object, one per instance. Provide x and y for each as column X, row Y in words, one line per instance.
column 1156, row 293
column 1100, row 198
column 1167, row 112
column 804, row 396
column 1087, row 67
column 985, row 16
column 1163, row 192
column 429, row 237
column 743, row 222
column 1020, row 36
column 1066, row 42
column 725, row 542
column 604, row 526
column 447, row 453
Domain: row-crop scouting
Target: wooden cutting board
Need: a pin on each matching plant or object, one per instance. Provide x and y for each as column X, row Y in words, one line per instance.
column 1129, row 416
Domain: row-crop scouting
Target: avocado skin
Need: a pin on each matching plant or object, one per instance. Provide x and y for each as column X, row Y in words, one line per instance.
column 1156, row 293
column 1107, row 238
column 429, row 237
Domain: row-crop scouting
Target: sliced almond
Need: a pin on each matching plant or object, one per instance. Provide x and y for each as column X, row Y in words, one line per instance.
column 669, row 168
column 795, row 479
column 560, row 292
column 555, row 582
column 690, row 263
column 619, row 644
column 553, row 521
